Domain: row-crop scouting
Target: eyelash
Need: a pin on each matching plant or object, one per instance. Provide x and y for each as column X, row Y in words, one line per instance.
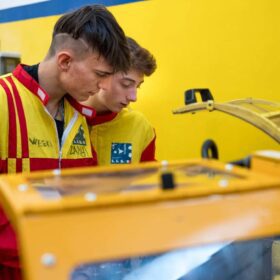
column 126, row 86
column 101, row 75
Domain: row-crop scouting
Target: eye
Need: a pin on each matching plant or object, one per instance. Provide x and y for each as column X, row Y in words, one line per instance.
column 126, row 85
column 101, row 74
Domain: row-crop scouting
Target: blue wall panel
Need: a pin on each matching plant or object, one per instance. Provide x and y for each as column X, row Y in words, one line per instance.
column 52, row 7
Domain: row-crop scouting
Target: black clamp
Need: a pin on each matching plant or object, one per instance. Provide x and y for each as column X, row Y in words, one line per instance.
column 209, row 149
column 167, row 181
column 190, row 95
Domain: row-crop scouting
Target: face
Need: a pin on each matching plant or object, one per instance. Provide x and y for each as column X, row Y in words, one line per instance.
column 121, row 91
column 83, row 77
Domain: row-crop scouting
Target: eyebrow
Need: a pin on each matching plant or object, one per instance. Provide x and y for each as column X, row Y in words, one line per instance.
column 128, row 79
column 104, row 72
column 131, row 80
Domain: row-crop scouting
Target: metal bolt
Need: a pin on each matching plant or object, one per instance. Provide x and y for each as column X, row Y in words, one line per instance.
column 56, row 172
column 210, row 105
column 22, row 187
column 90, row 196
column 164, row 164
column 48, row 259
column 229, row 167
column 223, row 183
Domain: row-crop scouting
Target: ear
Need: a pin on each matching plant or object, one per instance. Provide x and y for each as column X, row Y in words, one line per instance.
column 64, row 60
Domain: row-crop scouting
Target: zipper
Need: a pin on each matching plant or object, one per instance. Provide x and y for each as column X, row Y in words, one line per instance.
column 64, row 135
column 69, row 127
column 57, row 139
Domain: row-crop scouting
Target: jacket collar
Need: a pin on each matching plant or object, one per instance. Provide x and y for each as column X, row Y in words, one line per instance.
column 102, row 118
column 35, row 88
column 30, row 83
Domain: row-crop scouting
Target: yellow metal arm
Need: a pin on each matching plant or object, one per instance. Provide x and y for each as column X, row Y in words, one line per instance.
column 263, row 114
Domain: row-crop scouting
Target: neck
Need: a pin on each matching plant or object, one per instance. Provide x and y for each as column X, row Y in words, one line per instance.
column 94, row 102
column 48, row 81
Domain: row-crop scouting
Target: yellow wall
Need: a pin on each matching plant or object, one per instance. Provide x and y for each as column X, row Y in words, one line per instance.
column 231, row 47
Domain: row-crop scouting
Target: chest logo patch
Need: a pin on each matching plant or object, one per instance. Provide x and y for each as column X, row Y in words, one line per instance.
column 121, row 153
column 79, row 137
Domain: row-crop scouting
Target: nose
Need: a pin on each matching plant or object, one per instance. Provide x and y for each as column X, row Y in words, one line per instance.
column 132, row 96
column 104, row 83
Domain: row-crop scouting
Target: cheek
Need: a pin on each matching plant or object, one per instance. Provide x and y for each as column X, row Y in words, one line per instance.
column 90, row 80
column 79, row 73
column 109, row 98
column 120, row 92
column 66, row 82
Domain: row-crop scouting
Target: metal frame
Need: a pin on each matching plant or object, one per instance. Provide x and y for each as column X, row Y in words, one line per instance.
column 263, row 114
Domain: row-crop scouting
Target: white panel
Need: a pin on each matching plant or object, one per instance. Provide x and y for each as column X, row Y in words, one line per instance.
column 7, row 4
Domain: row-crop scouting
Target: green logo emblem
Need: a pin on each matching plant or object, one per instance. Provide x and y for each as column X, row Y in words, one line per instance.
column 80, row 138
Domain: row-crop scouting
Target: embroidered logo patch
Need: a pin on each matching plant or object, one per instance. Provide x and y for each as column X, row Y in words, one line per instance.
column 121, row 153
column 80, row 138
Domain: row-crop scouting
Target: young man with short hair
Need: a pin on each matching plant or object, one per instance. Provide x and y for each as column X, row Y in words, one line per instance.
column 42, row 124
column 119, row 134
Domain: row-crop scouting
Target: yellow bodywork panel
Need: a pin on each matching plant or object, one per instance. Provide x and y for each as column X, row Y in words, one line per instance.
column 65, row 219
column 267, row 161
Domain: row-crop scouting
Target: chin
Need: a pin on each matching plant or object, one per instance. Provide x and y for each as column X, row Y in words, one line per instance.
column 82, row 98
column 117, row 110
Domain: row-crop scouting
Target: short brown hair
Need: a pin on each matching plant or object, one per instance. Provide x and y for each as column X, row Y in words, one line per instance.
column 140, row 58
column 97, row 26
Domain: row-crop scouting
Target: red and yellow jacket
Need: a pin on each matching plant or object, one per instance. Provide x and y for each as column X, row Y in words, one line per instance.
column 29, row 139
column 123, row 138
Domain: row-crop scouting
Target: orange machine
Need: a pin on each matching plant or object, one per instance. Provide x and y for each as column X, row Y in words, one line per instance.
column 196, row 219
column 267, row 162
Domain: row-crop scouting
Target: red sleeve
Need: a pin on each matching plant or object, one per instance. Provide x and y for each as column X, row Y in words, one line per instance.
column 8, row 244
column 94, row 154
column 149, row 153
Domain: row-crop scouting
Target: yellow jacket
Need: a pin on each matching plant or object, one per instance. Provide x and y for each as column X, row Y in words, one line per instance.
column 123, row 138
column 28, row 139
